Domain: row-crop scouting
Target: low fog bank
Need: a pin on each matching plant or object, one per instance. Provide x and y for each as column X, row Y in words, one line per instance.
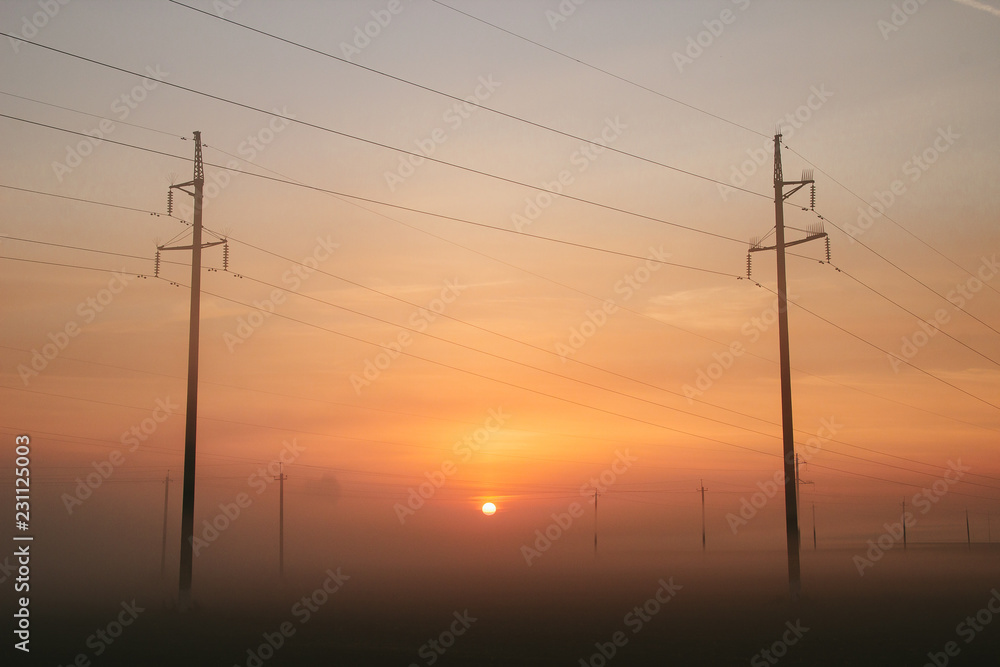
column 565, row 608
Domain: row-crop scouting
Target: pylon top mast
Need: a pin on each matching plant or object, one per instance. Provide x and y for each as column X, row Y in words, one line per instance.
column 199, row 166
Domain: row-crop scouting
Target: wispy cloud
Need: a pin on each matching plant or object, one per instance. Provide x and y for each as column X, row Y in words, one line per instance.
column 975, row 4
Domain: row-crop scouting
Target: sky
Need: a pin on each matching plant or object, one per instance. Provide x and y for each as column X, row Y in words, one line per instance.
column 426, row 304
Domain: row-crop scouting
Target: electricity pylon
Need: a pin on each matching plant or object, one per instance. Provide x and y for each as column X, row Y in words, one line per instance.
column 787, row 430
column 191, row 415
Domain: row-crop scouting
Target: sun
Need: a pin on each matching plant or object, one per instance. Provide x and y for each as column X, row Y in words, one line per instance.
column 489, row 509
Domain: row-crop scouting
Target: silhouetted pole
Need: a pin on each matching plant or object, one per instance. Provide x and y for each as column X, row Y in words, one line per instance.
column 191, row 425
column 281, row 517
column 191, row 413
column 968, row 530
column 792, row 536
column 166, row 499
column 595, row 522
column 787, row 429
column 799, row 482
column 814, row 526
column 703, row 489
column 989, row 535
column 904, row 523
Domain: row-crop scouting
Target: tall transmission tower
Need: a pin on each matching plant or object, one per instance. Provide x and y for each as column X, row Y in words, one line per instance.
column 787, row 429
column 191, row 416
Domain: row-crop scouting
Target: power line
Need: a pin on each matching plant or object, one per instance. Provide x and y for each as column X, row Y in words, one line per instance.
column 63, row 357
column 257, row 461
column 445, row 217
column 340, row 436
column 910, row 312
column 893, row 481
column 73, row 266
column 526, row 388
column 368, row 141
column 654, row 386
column 907, row 273
column 725, row 120
column 603, row 71
column 495, row 333
column 886, row 215
column 416, row 305
column 514, row 361
column 423, row 212
column 265, row 112
column 886, row 352
column 79, row 199
column 751, row 430
column 556, row 374
column 623, row 307
column 92, row 115
column 459, row 99
column 592, row 384
column 491, row 379
column 82, row 249
column 346, row 437
column 529, row 458
column 911, row 460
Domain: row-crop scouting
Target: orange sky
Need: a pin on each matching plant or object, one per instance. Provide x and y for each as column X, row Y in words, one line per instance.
column 557, row 358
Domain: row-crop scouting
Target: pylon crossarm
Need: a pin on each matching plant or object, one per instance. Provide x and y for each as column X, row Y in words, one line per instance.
column 791, row 192
column 190, row 247
column 789, row 244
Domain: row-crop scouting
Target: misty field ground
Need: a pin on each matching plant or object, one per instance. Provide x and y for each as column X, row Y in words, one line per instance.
column 716, row 609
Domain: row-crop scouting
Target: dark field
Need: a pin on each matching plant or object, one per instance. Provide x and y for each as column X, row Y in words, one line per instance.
column 723, row 609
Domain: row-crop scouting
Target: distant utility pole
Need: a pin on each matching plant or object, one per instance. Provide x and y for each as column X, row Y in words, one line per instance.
column 904, row 524
column 798, row 478
column 798, row 482
column 787, row 429
column 163, row 549
column 968, row 530
column 191, row 416
column 281, row 517
column 814, row 526
column 595, row 522
column 703, row 490
column 989, row 534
